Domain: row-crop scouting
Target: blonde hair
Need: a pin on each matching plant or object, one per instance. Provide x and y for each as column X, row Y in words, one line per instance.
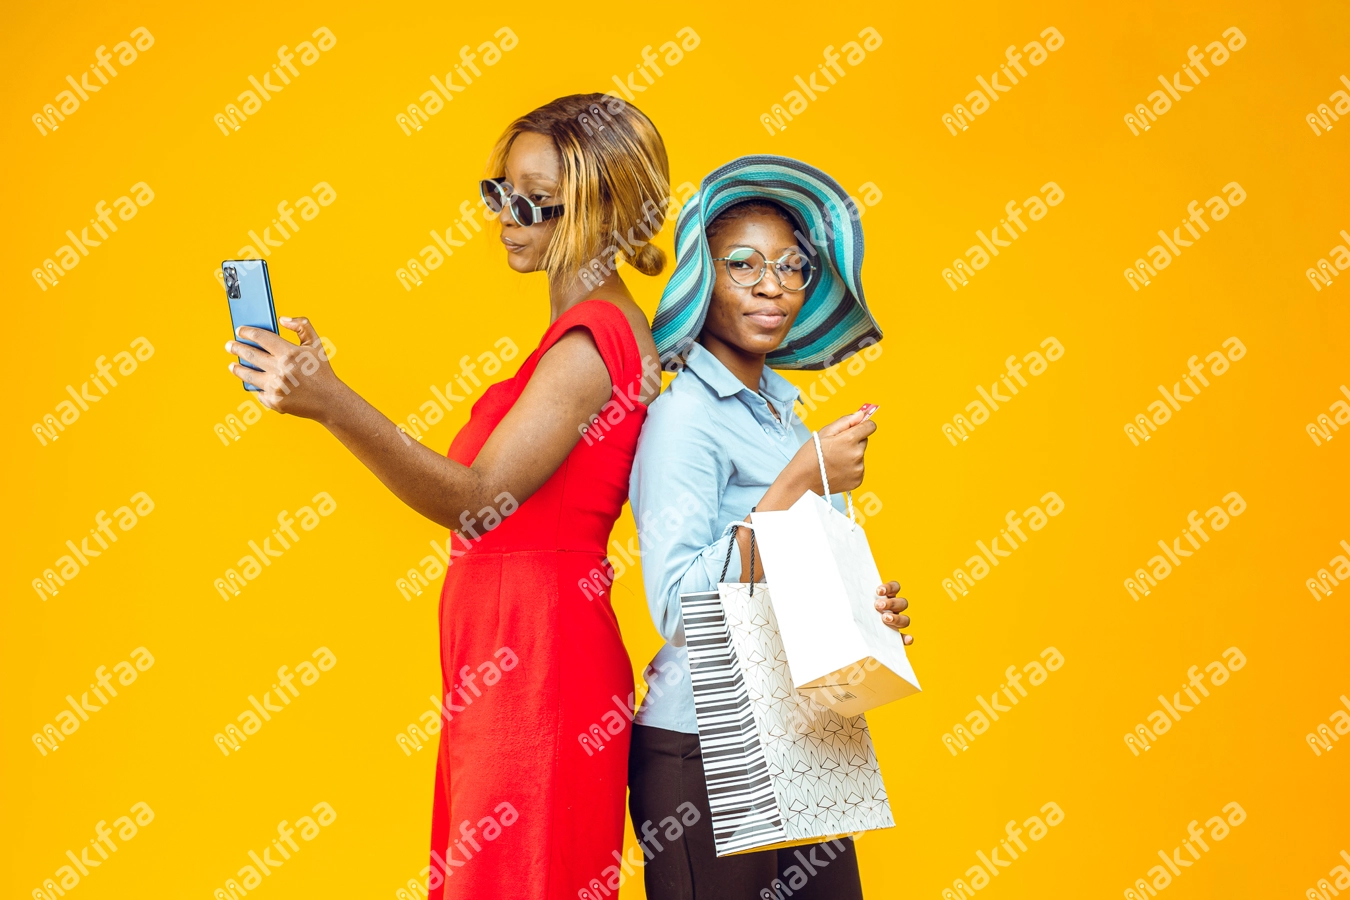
column 615, row 178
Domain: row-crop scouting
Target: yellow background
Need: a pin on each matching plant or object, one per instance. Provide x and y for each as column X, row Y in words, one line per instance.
column 880, row 124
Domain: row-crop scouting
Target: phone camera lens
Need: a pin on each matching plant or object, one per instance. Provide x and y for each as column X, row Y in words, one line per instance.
column 231, row 282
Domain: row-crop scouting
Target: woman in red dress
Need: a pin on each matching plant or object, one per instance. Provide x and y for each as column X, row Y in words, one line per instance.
column 524, row 808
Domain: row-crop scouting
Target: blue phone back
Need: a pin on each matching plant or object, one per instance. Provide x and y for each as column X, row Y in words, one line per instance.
column 249, row 292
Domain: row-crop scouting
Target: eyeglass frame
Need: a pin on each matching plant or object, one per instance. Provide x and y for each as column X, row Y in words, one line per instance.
column 538, row 213
column 764, row 270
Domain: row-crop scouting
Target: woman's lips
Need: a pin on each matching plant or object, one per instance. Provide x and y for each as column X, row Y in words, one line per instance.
column 767, row 318
column 512, row 246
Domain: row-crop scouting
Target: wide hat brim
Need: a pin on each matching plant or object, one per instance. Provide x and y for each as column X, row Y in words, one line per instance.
column 834, row 322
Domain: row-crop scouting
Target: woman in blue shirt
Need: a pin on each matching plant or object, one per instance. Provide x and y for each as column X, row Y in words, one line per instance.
column 750, row 291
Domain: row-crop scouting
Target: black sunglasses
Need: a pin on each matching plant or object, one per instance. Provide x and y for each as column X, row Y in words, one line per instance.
column 498, row 194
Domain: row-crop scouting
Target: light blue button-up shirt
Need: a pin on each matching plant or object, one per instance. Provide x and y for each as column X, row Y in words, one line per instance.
column 709, row 450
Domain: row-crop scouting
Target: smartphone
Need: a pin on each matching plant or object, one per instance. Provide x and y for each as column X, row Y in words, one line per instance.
column 867, row 409
column 249, row 292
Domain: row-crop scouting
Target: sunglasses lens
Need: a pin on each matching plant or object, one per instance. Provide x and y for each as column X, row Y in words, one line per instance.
column 492, row 193
column 521, row 211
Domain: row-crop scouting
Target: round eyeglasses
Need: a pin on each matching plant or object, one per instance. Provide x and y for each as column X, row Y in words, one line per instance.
column 747, row 267
column 498, row 193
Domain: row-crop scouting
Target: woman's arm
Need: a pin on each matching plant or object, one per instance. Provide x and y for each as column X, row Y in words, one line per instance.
column 569, row 385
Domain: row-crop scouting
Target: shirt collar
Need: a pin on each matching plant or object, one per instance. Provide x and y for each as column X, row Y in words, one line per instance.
column 711, row 372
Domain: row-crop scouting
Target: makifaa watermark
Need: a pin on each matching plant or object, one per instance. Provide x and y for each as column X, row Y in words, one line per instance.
column 957, row 120
column 251, row 564
column 623, row 402
column 432, row 102
column 959, row 428
column 51, row 427
column 1321, row 120
column 648, row 67
column 1159, row 259
column 1145, row 736
column 776, row 119
column 1036, row 518
column 69, row 100
column 612, row 724
column 959, row 739
column 489, row 517
column 649, row 844
column 442, row 402
column 989, row 864
column 1138, row 121
column 414, row 737
column 231, row 739
column 1324, row 737
column 1160, row 567
column 1340, row 875
column 66, row 568
column 250, row 412
column 491, row 827
column 1321, row 584
column 51, row 737
column 605, row 263
column 252, row 100
column 811, row 398
column 1323, row 274
column 68, row 877
column 251, row 875
column 1159, row 878
column 798, row 875
column 962, row 270
column 413, row 273
column 1321, row 431
column 308, row 209
column 51, row 271
column 1138, row 430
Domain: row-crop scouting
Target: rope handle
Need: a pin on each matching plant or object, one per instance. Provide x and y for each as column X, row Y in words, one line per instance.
column 825, row 479
column 731, row 545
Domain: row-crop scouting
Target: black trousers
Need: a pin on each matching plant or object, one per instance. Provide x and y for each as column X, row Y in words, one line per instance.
column 665, row 770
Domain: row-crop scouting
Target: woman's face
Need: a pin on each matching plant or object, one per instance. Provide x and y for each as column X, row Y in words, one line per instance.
column 534, row 170
column 753, row 319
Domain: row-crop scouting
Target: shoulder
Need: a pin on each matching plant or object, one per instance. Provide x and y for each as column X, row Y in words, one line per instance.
column 684, row 408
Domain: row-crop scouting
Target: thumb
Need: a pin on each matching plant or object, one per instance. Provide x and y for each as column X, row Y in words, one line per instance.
column 841, row 425
column 303, row 329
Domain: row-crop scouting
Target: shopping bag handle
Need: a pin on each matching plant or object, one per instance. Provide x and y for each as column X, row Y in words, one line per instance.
column 731, row 544
column 825, row 480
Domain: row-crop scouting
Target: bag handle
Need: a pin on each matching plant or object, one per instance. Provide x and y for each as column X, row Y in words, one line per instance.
column 825, row 479
column 731, row 545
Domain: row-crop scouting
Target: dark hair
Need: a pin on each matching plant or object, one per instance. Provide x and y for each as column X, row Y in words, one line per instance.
column 756, row 206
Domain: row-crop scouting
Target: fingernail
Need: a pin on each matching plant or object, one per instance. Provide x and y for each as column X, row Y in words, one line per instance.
column 227, row 344
column 881, row 604
column 888, row 618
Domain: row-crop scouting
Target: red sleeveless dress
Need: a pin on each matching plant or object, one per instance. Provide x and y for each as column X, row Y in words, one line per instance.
column 511, row 752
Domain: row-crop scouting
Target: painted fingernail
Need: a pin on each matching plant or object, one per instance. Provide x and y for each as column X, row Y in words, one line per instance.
column 888, row 618
column 229, row 344
column 881, row 604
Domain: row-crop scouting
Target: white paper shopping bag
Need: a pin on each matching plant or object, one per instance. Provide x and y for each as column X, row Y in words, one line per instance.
column 824, row 593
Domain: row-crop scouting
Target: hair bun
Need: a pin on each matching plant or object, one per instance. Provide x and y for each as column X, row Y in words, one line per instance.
column 649, row 260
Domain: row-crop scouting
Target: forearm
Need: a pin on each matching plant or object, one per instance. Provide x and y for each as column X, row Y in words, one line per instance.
column 433, row 485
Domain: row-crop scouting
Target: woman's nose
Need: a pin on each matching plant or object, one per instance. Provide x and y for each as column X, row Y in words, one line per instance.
column 768, row 286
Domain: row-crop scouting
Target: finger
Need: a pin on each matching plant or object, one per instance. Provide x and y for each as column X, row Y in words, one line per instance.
column 892, row 604
column 258, row 357
column 840, row 425
column 889, row 588
column 302, row 327
column 895, row 620
column 909, row 639
column 244, row 373
column 270, row 342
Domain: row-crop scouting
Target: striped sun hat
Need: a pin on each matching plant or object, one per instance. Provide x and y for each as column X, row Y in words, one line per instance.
column 834, row 322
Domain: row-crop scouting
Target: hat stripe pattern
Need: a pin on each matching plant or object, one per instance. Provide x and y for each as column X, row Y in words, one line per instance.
column 834, row 322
